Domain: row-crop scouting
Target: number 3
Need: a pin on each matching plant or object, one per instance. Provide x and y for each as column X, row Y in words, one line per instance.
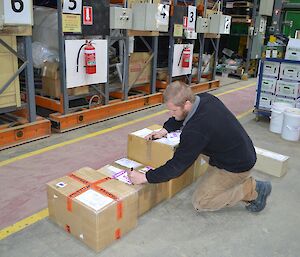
column 192, row 17
column 16, row 8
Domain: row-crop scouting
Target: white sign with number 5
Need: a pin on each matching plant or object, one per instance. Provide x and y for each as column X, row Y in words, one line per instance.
column 72, row 6
column 17, row 12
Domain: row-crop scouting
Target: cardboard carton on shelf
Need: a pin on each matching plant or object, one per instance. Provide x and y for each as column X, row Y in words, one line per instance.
column 92, row 207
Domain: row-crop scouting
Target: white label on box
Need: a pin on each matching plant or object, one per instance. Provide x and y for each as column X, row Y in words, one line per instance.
column 113, row 169
column 142, row 133
column 94, row 199
column 202, row 161
column 270, row 154
column 128, row 163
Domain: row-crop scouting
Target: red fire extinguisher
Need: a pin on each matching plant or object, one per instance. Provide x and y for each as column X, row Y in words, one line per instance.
column 185, row 57
column 89, row 52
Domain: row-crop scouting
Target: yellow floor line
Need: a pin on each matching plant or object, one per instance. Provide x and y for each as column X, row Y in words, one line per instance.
column 48, row 148
column 23, row 223
column 236, row 89
column 44, row 213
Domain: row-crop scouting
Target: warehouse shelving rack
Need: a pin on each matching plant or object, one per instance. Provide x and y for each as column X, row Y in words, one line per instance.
column 21, row 124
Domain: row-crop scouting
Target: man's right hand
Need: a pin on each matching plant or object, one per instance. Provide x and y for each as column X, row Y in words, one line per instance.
column 157, row 134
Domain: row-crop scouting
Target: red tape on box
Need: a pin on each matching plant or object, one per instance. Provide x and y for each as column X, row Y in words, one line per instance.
column 95, row 186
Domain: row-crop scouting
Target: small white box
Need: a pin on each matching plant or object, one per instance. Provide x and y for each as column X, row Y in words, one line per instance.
column 202, row 25
column 271, row 163
column 265, row 100
column 120, row 18
column 293, row 101
column 288, row 88
column 268, row 85
column 293, row 50
column 219, row 24
column 150, row 17
column 271, row 69
column 290, row 71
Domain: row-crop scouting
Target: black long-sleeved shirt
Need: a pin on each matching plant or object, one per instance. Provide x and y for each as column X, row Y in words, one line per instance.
column 213, row 131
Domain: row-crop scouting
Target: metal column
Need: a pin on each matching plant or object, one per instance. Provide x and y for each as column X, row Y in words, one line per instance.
column 30, row 81
column 154, row 64
column 62, row 60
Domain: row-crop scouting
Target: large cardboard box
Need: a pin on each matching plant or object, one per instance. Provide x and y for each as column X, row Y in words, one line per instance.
column 149, row 195
column 271, row 163
column 93, row 207
column 156, row 153
column 138, row 64
column 51, row 82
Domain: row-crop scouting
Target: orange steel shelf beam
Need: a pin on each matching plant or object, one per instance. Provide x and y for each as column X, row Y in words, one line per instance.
column 24, row 133
column 48, row 103
column 62, row 123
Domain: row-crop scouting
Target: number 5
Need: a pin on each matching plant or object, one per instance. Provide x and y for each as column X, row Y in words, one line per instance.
column 16, row 8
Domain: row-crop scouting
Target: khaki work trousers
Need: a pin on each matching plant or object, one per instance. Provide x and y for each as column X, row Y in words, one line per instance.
column 219, row 188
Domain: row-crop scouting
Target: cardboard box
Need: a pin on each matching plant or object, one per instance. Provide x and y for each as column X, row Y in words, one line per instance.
column 93, row 207
column 137, row 62
column 271, row 163
column 156, row 153
column 51, row 80
column 149, row 195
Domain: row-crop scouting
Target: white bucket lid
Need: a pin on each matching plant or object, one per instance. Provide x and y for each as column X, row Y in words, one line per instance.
column 294, row 112
column 281, row 105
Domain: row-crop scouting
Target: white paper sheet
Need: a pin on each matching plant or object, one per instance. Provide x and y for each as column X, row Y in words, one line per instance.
column 142, row 133
column 94, row 199
column 113, row 169
column 128, row 163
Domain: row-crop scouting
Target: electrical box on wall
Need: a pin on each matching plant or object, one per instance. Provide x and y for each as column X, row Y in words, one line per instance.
column 120, row 18
column 219, row 23
column 95, row 17
column 202, row 25
column 16, row 12
column 150, row 17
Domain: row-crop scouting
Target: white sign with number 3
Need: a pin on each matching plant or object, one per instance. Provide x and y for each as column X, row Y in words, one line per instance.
column 72, row 6
column 191, row 17
column 18, row 12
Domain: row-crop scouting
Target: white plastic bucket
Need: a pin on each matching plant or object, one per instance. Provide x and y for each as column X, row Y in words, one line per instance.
column 277, row 111
column 291, row 124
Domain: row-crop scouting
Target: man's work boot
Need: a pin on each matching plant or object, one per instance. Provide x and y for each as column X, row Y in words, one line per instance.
column 263, row 189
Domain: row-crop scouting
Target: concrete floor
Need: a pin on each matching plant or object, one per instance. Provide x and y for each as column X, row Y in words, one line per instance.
column 173, row 228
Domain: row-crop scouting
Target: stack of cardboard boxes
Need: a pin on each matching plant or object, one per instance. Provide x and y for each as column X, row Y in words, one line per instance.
column 100, row 206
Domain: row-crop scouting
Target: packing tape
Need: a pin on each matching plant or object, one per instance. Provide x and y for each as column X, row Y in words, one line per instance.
column 94, row 185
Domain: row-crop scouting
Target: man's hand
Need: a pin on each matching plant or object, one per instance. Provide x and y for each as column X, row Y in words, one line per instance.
column 136, row 177
column 157, row 134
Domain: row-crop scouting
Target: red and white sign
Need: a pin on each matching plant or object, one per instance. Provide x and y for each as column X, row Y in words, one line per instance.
column 87, row 15
column 185, row 22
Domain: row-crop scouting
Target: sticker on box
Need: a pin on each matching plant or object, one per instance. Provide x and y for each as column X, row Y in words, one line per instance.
column 94, row 200
column 145, row 169
column 128, row 163
column 123, row 177
column 61, row 184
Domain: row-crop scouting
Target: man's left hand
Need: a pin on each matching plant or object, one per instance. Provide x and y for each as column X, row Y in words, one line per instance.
column 136, row 177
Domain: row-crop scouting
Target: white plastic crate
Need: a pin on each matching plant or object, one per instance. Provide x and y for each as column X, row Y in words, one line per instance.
column 268, row 85
column 295, row 102
column 290, row 71
column 288, row 88
column 271, row 69
column 266, row 100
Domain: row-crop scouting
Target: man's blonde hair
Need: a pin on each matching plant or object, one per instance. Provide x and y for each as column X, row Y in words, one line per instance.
column 178, row 93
